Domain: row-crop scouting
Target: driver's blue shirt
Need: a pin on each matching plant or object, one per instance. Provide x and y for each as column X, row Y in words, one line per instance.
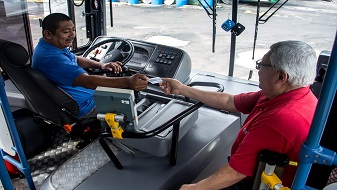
column 60, row 66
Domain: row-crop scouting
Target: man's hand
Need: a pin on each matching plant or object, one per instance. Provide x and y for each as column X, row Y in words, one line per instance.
column 171, row 86
column 138, row 82
column 112, row 66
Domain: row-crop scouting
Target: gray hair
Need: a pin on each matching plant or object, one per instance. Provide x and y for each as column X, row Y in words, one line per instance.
column 297, row 59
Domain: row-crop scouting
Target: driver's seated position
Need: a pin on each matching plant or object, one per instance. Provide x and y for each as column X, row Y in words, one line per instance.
column 53, row 59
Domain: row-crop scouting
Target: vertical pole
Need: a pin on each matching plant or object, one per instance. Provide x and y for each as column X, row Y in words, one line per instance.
column 256, row 26
column 71, row 13
column 320, row 118
column 174, row 146
column 214, row 25
column 23, row 166
column 111, row 15
column 233, row 38
column 102, row 18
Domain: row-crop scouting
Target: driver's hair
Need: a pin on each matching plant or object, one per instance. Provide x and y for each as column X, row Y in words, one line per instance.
column 297, row 59
column 52, row 22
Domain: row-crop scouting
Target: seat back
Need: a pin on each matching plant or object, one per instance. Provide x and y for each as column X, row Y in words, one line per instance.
column 43, row 97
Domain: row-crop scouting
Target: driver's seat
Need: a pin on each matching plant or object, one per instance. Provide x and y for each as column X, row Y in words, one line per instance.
column 44, row 98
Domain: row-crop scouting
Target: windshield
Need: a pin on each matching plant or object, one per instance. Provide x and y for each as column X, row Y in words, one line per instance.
column 188, row 28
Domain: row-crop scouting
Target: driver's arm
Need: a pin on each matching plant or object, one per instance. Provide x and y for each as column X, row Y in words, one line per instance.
column 136, row 82
column 88, row 63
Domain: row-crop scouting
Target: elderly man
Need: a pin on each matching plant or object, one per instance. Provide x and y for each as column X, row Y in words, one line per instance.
column 280, row 114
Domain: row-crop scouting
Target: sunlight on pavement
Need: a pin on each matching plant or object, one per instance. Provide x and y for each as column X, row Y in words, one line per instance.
column 244, row 59
column 166, row 40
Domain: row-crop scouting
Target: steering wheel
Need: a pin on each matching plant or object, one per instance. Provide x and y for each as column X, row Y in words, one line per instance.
column 120, row 50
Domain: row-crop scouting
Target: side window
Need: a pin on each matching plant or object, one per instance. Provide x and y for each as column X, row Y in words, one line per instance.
column 12, row 27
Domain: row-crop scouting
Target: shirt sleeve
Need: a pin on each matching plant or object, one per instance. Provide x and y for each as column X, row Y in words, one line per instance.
column 246, row 102
column 62, row 70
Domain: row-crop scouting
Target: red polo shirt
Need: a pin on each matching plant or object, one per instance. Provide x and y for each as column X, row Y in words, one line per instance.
column 280, row 124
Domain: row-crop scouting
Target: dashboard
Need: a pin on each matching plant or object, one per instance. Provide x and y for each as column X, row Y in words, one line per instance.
column 141, row 56
column 154, row 60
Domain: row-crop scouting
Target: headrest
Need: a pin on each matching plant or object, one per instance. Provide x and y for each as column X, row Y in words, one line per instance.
column 15, row 53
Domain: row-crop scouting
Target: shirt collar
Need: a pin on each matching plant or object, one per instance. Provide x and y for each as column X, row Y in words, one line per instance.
column 52, row 47
column 285, row 97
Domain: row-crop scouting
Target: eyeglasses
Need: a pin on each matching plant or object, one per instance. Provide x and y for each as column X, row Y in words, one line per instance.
column 259, row 64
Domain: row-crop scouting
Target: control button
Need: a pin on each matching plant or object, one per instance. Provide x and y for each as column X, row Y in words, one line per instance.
column 108, row 56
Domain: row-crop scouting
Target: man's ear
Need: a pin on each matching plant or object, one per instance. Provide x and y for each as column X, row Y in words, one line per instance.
column 47, row 34
column 283, row 76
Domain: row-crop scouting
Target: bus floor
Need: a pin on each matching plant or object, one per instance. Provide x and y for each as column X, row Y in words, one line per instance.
column 44, row 163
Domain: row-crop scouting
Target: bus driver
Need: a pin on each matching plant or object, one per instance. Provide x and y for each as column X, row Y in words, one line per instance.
column 280, row 114
column 53, row 59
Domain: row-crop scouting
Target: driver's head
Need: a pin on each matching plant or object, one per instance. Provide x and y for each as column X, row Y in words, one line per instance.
column 58, row 30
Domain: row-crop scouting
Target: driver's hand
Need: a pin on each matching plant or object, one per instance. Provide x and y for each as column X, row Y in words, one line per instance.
column 112, row 66
column 138, row 82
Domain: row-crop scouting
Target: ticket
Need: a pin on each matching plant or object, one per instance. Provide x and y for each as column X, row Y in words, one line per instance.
column 155, row 80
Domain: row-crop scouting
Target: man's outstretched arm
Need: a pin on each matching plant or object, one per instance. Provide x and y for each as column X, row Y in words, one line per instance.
column 224, row 177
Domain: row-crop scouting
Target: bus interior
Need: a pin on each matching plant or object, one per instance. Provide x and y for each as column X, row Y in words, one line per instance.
column 171, row 143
